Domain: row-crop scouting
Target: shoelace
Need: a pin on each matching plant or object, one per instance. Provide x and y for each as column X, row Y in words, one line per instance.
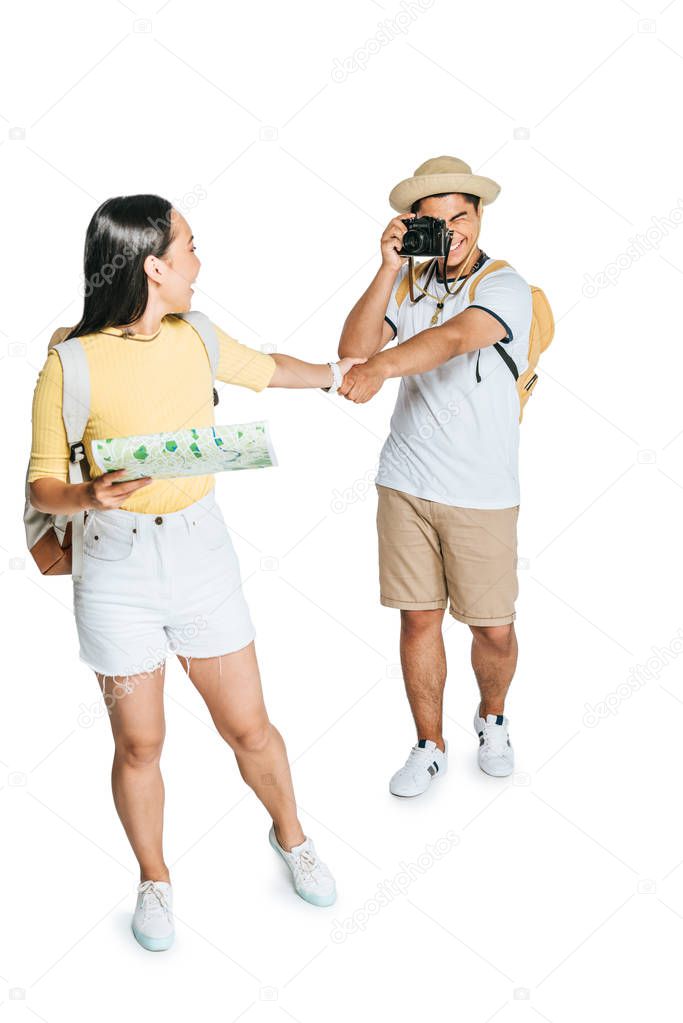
column 306, row 865
column 150, row 905
column 495, row 739
column 417, row 753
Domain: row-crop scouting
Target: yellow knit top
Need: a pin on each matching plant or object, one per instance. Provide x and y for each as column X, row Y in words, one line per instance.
column 142, row 384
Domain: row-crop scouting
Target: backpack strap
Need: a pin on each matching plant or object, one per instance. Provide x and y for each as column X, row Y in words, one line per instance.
column 205, row 328
column 497, row 264
column 75, row 412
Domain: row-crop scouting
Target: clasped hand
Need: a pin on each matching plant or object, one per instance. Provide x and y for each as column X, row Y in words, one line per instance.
column 362, row 381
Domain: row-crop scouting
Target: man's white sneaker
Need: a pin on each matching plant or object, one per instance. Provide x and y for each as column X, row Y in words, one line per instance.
column 153, row 923
column 425, row 762
column 496, row 756
column 312, row 879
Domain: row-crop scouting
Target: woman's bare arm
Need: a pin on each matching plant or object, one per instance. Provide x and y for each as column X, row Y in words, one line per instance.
column 291, row 372
column 54, row 497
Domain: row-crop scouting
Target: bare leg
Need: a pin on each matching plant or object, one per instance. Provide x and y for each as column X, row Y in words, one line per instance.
column 423, row 659
column 136, row 712
column 231, row 688
column 494, row 659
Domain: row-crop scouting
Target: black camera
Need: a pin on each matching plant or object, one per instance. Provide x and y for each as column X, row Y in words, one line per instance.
column 426, row 236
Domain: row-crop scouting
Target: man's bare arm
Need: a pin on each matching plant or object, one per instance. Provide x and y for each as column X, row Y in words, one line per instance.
column 365, row 330
column 469, row 330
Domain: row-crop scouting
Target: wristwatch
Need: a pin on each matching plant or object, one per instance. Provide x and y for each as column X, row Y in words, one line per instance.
column 336, row 377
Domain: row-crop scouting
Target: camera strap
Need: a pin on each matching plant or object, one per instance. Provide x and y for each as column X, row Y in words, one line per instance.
column 431, row 269
column 412, row 282
column 467, row 275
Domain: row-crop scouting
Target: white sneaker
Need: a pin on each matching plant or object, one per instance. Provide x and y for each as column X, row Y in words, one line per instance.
column 153, row 923
column 312, row 879
column 425, row 762
column 496, row 756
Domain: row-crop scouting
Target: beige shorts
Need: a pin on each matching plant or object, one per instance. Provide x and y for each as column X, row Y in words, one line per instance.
column 431, row 553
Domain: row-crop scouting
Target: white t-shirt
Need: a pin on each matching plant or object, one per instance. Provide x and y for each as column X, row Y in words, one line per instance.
column 453, row 440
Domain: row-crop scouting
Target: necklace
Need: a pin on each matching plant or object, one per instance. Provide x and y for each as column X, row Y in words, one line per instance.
column 442, row 299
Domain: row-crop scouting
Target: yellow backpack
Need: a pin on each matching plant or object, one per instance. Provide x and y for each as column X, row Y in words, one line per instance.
column 540, row 335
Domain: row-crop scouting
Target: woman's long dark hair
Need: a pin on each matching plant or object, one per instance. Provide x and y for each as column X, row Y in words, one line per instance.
column 120, row 236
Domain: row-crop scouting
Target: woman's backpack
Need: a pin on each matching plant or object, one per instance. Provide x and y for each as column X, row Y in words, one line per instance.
column 56, row 541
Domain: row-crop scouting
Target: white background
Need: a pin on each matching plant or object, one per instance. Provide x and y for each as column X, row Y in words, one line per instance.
column 562, row 896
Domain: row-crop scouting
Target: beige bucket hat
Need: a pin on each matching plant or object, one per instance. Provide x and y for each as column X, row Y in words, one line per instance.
column 442, row 174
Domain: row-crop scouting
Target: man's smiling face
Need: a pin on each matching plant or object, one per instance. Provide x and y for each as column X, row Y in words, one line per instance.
column 461, row 218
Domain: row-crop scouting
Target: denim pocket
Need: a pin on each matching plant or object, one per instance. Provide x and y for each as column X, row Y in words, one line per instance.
column 106, row 540
column 211, row 531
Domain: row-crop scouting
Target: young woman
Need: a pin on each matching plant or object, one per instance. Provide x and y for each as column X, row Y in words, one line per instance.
column 160, row 572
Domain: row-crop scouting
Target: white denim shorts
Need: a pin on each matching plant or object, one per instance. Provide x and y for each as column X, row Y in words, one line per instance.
column 154, row 585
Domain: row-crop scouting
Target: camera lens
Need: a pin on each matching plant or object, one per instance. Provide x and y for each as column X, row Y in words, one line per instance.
column 411, row 241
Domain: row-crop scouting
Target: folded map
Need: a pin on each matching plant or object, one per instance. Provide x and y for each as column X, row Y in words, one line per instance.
column 195, row 451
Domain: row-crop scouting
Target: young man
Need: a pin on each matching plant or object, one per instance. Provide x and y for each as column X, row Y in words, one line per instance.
column 447, row 483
